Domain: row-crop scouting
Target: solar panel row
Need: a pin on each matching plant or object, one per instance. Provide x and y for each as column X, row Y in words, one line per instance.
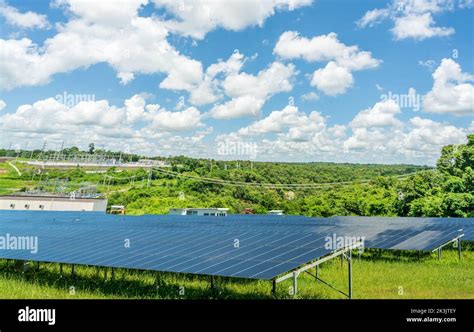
column 258, row 247
column 466, row 224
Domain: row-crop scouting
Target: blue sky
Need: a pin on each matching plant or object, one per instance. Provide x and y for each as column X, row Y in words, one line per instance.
column 294, row 80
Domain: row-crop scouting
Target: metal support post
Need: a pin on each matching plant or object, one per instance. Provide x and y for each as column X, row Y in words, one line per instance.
column 295, row 283
column 350, row 273
column 459, row 248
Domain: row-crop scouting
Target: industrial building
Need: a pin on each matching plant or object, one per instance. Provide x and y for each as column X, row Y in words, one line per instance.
column 221, row 212
column 52, row 203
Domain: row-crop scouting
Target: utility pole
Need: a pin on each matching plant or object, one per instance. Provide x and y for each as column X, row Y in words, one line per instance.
column 148, row 183
column 43, row 149
column 60, row 152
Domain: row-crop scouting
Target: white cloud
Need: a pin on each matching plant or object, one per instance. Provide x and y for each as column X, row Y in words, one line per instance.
column 451, row 93
column 159, row 132
column 365, row 139
column 291, row 45
column 273, row 79
column 249, row 92
column 107, row 12
column 332, row 79
column 238, row 107
column 277, row 121
column 412, row 18
column 207, row 89
column 186, row 120
column 100, row 32
column 382, row 114
column 373, row 17
column 418, row 26
column 197, row 18
column 27, row 20
column 310, row 96
column 98, row 116
column 135, row 108
column 378, row 135
column 336, row 77
column 2, row 105
column 428, row 135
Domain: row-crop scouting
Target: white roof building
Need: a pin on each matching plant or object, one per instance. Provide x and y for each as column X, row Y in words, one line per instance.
column 275, row 212
column 52, row 203
column 199, row 211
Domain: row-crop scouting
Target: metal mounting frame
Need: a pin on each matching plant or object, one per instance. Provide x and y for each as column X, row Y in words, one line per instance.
column 339, row 252
column 456, row 239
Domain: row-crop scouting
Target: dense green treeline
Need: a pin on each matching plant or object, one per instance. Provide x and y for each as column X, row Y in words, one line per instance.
column 444, row 191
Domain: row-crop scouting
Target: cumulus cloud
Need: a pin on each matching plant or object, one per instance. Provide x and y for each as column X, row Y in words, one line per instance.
column 382, row 114
column 2, row 105
column 451, row 92
column 418, row 26
column 207, row 88
column 186, row 120
column 127, row 42
column 98, row 115
column 412, row 18
column 27, row 20
column 248, row 92
column 310, row 96
column 428, row 135
column 373, row 17
column 237, row 108
column 113, row 32
column 378, row 134
column 197, row 18
column 336, row 77
column 332, row 79
column 288, row 118
column 291, row 45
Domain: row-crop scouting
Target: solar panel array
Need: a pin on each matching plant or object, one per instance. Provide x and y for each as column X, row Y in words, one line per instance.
column 466, row 224
column 256, row 247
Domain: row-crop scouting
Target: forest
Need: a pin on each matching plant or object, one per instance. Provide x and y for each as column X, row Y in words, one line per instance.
column 444, row 191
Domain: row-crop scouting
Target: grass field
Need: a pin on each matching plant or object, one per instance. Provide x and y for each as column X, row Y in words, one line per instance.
column 390, row 276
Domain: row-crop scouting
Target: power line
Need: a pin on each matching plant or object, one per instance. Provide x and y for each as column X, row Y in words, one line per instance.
column 266, row 185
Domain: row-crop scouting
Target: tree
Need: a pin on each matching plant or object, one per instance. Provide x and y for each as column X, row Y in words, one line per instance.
column 91, row 148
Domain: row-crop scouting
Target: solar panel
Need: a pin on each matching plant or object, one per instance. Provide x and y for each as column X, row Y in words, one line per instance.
column 466, row 224
column 256, row 247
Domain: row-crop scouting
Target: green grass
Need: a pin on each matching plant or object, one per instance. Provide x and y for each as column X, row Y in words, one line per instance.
column 10, row 181
column 390, row 276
